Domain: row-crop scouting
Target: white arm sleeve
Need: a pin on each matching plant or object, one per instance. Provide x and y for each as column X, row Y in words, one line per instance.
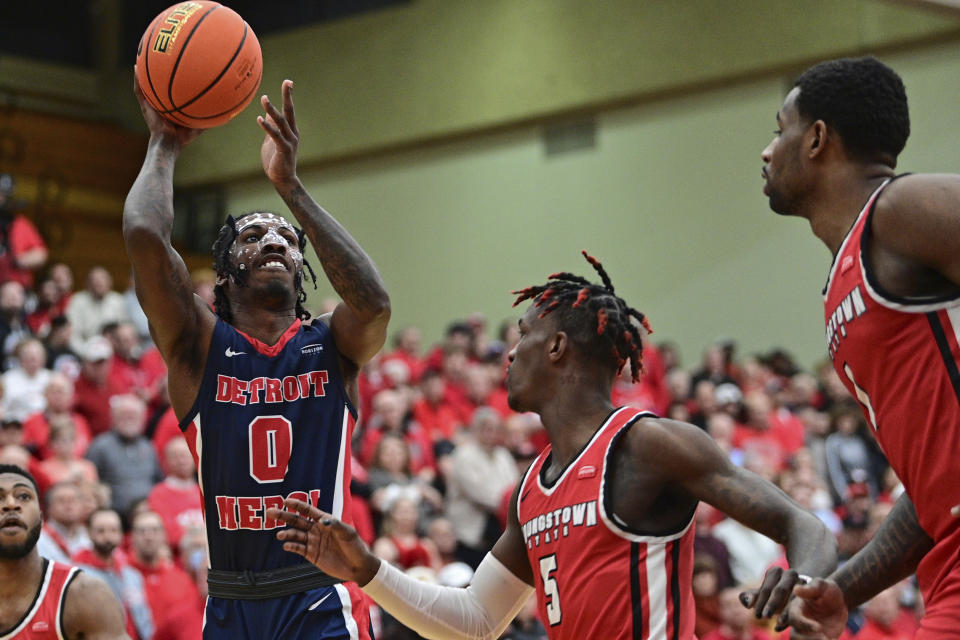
column 479, row 612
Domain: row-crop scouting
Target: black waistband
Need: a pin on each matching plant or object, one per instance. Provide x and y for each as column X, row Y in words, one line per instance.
column 261, row 585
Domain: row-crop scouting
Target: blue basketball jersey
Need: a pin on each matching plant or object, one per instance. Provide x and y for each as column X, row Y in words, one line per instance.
column 269, row 422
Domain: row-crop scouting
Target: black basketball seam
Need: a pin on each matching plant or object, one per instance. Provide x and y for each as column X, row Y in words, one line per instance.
column 146, row 67
column 176, row 65
column 223, row 72
column 217, row 115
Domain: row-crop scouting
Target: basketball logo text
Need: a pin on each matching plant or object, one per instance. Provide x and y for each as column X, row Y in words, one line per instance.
column 172, row 25
column 552, row 525
column 271, row 390
column 249, row 512
column 849, row 309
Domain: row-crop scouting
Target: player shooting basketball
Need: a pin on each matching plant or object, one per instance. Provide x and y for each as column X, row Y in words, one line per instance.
column 265, row 398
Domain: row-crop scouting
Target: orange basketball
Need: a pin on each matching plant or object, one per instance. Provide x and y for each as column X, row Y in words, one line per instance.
column 199, row 64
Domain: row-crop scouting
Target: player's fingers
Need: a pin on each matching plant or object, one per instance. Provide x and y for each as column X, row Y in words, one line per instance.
column 295, row 547
column 747, row 598
column 813, row 589
column 780, row 594
column 804, row 625
column 275, row 116
column 288, row 113
column 289, row 518
column 292, row 535
column 770, row 580
column 303, row 508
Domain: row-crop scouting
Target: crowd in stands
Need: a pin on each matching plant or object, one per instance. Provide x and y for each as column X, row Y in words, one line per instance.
column 437, row 455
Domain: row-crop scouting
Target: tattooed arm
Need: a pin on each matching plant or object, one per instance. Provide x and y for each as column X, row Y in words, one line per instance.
column 180, row 322
column 359, row 324
column 893, row 554
column 685, row 457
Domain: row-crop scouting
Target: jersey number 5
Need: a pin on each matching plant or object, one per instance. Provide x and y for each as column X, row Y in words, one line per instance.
column 861, row 396
column 551, row 595
column 271, row 442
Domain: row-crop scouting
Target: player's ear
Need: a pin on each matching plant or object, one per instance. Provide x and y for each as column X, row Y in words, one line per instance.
column 557, row 346
column 817, row 138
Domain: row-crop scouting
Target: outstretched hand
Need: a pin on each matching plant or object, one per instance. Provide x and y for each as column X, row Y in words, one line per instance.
column 278, row 154
column 159, row 126
column 334, row 547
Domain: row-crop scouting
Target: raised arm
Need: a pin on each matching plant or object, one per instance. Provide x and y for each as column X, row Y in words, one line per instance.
column 686, row 456
column 359, row 323
column 91, row 611
column 180, row 323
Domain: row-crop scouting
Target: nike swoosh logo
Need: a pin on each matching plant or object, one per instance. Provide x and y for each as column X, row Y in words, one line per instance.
column 525, row 494
column 318, row 602
column 230, row 353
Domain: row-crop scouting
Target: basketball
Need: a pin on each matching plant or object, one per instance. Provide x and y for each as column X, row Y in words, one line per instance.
column 199, row 64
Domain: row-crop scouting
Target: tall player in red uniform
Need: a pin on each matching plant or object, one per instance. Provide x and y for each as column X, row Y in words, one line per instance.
column 601, row 526
column 40, row 598
column 892, row 304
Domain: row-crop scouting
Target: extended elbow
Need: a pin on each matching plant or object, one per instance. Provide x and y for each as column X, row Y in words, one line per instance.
column 140, row 234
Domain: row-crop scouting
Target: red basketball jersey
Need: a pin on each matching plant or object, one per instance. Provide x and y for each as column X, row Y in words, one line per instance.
column 899, row 358
column 44, row 619
column 594, row 577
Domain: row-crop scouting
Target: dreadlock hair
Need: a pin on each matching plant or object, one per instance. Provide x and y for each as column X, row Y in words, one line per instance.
column 863, row 99
column 593, row 316
column 224, row 267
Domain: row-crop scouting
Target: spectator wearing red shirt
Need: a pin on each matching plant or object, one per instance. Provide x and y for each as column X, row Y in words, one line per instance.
column 458, row 338
column 171, row 593
column 177, row 498
column 133, row 368
column 400, row 543
column 60, row 396
column 482, row 391
column 773, row 432
column 48, row 307
column 62, row 276
column 736, row 621
column 166, row 429
column 22, row 250
column 886, row 619
column 431, row 410
column 93, row 387
column 64, row 463
column 390, row 416
column 406, row 350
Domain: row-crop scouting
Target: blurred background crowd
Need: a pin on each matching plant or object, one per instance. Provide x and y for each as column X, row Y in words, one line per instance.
column 437, row 450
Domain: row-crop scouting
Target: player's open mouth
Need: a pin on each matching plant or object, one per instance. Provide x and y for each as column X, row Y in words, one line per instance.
column 273, row 264
column 10, row 524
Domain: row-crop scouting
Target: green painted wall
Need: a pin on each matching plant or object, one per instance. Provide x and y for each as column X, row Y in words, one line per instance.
column 670, row 199
column 434, row 69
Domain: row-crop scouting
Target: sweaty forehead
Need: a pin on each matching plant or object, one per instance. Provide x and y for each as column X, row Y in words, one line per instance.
column 265, row 219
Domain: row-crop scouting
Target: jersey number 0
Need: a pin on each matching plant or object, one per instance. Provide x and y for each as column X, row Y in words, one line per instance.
column 271, row 443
